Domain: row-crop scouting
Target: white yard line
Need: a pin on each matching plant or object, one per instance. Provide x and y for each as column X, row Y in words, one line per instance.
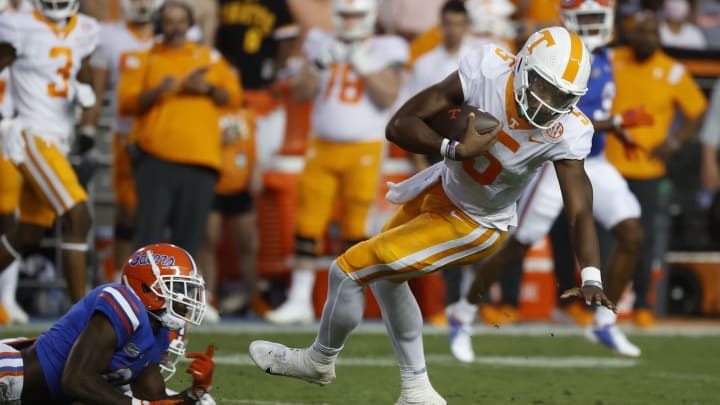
column 261, row 402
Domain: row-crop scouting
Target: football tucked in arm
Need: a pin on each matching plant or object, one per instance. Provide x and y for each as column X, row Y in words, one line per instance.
column 452, row 122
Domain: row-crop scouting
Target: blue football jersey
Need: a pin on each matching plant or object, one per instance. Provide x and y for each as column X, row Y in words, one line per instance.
column 597, row 103
column 137, row 344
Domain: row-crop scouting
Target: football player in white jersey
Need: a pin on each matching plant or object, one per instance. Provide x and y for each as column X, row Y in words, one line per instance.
column 116, row 41
column 614, row 205
column 458, row 211
column 354, row 78
column 47, row 53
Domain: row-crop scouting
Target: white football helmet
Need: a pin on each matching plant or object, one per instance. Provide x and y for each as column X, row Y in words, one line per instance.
column 492, row 17
column 57, row 10
column 176, row 351
column 140, row 11
column 551, row 73
column 361, row 29
column 593, row 20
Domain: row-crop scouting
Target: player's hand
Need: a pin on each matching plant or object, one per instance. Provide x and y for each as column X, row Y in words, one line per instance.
column 195, row 82
column 335, row 52
column 665, row 149
column 86, row 139
column 634, row 117
column 169, row 85
column 475, row 144
column 206, row 399
column 591, row 295
column 361, row 60
column 632, row 148
column 201, row 369
column 84, row 95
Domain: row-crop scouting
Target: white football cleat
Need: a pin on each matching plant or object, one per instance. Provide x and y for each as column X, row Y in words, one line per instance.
column 277, row 359
column 421, row 393
column 612, row 337
column 291, row 312
column 15, row 311
column 460, row 336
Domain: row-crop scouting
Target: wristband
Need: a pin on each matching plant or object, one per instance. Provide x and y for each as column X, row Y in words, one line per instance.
column 451, row 149
column 88, row 130
column 444, row 147
column 136, row 401
column 617, row 121
column 591, row 276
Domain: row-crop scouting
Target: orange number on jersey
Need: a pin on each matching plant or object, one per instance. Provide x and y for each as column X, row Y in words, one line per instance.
column 499, row 52
column 351, row 86
column 583, row 119
column 494, row 168
column 3, row 86
column 63, row 71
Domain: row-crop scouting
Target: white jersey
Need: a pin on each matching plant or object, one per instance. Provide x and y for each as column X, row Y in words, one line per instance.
column 343, row 111
column 116, row 41
column 43, row 75
column 487, row 187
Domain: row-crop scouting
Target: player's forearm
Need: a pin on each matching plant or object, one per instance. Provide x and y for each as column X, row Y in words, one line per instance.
column 688, row 128
column 149, row 98
column 305, row 83
column 383, row 87
column 412, row 134
column 91, row 389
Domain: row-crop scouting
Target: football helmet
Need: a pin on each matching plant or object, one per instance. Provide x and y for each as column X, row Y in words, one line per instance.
column 4, row 5
column 551, row 74
column 492, row 17
column 167, row 282
column 57, row 10
column 176, row 351
column 366, row 10
column 140, row 11
column 593, row 20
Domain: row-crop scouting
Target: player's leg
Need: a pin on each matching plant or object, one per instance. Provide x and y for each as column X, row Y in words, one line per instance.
column 125, row 203
column 316, row 199
column 617, row 209
column 50, row 189
column 206, row 259
column 10, row 186
column 13, row 376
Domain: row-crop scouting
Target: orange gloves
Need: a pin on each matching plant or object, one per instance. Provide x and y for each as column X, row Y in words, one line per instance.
column 201, row 370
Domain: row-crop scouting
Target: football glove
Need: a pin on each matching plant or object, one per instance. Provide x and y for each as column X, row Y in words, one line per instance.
column 633, row 117
column 201, row 370
column 335, row 52
column 360, row 59
column 84, row 95
column 13, row 144
column 86, row 139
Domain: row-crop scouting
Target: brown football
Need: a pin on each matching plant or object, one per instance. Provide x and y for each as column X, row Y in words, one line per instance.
column 452, row 122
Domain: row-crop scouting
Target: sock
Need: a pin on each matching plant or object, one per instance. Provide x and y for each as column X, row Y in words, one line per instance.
column 466, row 280
column 465, row 312
column 301, row 286
column 8, row 282
column 403, row 321
column 604, row 317
column 342, row 313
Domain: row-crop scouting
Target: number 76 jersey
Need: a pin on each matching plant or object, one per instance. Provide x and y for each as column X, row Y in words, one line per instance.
column 487, row 187
column 47, row 62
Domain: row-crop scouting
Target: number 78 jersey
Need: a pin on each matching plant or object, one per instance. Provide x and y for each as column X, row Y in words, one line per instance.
column 48, row 59
column 487, row 187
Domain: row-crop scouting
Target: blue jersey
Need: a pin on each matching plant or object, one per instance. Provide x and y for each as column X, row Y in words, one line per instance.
column 597, row 103
column 137, row 345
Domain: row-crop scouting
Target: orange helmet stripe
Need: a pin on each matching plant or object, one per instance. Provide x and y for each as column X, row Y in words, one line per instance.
column 576, row 55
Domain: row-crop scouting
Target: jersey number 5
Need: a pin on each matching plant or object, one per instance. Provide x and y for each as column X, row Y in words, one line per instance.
column 64, row 72
column 494, row 167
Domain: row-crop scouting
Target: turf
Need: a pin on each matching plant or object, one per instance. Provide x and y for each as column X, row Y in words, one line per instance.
column 511, row 369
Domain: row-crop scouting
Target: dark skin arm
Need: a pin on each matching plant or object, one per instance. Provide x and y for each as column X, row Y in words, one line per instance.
column 7, row 55
column 89, row 358
column 85, row 74
column 578, row 200
column 150, row 386
column 408, row 129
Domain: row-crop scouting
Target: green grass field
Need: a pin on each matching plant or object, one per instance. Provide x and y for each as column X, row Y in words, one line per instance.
column 547, row 365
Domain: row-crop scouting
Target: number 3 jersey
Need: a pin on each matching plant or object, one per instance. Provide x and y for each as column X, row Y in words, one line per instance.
column 343, row 110
column 488, row 186
column 43, row 74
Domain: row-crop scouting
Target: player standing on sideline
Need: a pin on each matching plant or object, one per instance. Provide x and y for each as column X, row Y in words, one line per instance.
column 458, row 211
column 47, row 53
column 614, row 205
column 354, row 78
column 117, row 40
column 116, row 335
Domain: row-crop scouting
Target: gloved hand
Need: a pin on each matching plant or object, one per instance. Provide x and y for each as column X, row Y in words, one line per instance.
column 206, row 399
column 84, row 95
column 86, row 139
column 334, row 52
column 360, row 58
column 633, row 117
column 201, row 369
column 13, row 144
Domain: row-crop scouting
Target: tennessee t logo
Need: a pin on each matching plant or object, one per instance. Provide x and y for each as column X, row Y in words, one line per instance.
column 546, row 37
column 453, row 113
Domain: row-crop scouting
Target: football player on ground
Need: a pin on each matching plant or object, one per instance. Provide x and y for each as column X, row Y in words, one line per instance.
column 118, row 334
column 116, row 41
column 354, row 78
column 614, row 205
column 458, row 211
column 47, row 53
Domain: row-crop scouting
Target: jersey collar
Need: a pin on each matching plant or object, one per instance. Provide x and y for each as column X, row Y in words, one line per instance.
column 59, row 32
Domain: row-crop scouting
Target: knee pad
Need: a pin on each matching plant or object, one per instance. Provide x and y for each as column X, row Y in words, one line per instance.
column 124, row 232
column 305, row 246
